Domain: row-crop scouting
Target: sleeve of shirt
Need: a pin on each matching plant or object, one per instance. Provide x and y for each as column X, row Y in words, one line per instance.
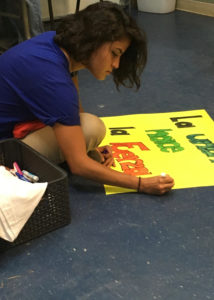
column 50, row 94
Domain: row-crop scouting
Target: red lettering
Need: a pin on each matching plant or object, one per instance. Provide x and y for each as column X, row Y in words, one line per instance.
column 131, row 164
column 125, row 155
column 129, row 145
column 135, row 169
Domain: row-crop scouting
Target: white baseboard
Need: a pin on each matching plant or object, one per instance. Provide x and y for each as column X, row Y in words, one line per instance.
column 197, row 7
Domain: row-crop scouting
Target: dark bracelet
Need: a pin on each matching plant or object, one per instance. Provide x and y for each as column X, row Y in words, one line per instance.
column 139, row 182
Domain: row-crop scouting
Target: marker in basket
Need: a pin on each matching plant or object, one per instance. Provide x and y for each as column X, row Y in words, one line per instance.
column 16, row 168
column 30, row 176
column 22, row 177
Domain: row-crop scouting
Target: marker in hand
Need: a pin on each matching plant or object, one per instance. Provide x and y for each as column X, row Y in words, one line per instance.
column 105, row 151
column 107, row 159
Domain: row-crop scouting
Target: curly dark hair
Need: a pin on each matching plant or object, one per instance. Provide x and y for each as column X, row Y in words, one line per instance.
column 82, row 33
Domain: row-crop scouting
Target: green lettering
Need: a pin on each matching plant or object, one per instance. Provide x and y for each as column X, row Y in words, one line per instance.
column 193, row 140
column 206, row 146
column 164, row 141
column 209, row 150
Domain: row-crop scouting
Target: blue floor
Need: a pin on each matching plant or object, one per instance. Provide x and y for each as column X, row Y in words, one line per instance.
column 132, row 246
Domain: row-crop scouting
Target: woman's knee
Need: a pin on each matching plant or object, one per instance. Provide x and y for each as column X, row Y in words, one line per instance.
column 44, row 141
column 94, row 130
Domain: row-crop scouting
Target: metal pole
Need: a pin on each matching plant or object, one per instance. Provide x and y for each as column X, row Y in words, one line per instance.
column 50, row 7
column 77, row 5
column 25, row 19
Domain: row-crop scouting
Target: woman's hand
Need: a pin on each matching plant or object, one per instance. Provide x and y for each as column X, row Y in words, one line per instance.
column 157, row 185
column 106, row 156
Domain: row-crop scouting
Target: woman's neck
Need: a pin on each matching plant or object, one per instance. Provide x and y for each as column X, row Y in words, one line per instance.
column 73, row 65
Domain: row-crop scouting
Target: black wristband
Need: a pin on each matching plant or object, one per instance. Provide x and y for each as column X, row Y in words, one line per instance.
column 139, row 182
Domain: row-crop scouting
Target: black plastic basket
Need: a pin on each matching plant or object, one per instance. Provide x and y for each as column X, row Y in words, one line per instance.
column 53, row 210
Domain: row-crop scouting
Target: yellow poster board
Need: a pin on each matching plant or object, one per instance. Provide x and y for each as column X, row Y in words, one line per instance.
column 180, row 144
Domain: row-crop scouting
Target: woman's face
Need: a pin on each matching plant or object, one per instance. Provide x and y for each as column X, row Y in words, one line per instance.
column 107, row 57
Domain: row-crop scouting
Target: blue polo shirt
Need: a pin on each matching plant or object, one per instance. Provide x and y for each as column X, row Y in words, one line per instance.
column 35, row 83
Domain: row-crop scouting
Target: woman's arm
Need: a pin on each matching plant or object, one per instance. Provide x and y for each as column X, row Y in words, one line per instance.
column 72, row 144
column 76, row 83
